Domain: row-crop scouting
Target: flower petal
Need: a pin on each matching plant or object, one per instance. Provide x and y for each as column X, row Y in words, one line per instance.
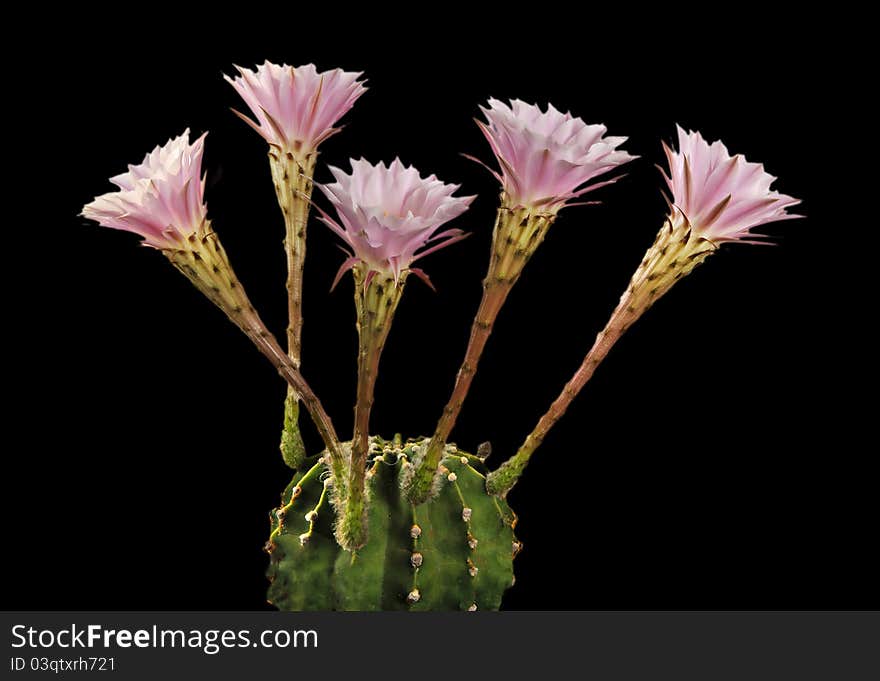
column 546, row 156
column 296, row 107
column 390, row 215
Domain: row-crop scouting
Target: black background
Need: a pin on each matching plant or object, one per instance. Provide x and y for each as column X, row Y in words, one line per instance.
column 713, row 462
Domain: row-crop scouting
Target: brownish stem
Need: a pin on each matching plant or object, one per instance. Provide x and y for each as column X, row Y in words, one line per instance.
column 268, row 345
column 501, row 480
column 292, row 177
column 204, row 262
column 516, row 236
column 675, row 253
column 376, row 302
column 621, row 319
column 495, row 292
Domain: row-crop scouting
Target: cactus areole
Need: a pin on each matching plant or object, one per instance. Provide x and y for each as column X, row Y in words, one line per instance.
column 417, row 524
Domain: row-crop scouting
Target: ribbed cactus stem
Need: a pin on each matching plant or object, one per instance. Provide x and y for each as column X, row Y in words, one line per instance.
column 517, row 234
column 454, row 553
column 292, row 176
column 376, row 298
column 203, row 261
column 674, row 254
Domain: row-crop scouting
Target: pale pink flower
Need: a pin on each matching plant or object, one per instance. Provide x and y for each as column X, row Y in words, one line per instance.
column 296, row 107
column 387, row 215
column 723, row 197
column 547, row 156
column 162, row 199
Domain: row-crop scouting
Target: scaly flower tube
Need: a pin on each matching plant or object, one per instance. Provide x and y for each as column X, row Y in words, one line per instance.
column 547, row 161
column 717, row 199
column 162, row 200
column 389, row 216
column 296, row 109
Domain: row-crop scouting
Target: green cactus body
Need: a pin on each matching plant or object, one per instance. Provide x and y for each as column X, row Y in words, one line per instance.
column 454, row 552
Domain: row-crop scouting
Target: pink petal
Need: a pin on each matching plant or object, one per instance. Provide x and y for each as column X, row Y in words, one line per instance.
column 161, row 199
column 546, row 156
column 723, row 196
column 390, row 215
column 297, row 108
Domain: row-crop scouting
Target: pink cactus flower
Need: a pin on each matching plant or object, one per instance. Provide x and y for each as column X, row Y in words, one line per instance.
column 723, row 197
column 162, row 199
column 389, row 214
column 547, row 157
column 296, row 107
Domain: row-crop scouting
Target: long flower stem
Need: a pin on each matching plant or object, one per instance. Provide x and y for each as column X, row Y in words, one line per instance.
column 674, row 254
column 292, row 177
column 516, row 236
column 376, row 300
column 204, row 262
column 500, row 481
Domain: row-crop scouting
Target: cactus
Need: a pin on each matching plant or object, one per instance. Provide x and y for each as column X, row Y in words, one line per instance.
column 454, row 552
column 372, row 524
